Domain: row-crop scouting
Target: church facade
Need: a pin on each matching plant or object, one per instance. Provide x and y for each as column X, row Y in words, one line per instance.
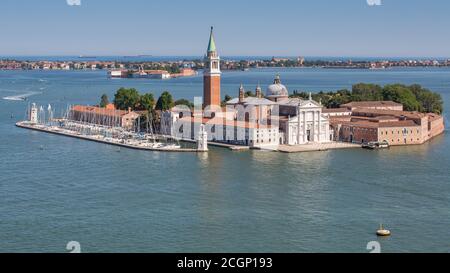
column 302, row 122
column 262, row 121
column 299, row 121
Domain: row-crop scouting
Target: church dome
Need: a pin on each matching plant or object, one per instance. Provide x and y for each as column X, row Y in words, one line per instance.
column 277, row 89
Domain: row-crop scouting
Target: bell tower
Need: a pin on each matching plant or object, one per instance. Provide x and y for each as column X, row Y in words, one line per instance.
column 211, row 75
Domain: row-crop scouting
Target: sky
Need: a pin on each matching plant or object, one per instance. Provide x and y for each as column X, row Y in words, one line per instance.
column 391, row 28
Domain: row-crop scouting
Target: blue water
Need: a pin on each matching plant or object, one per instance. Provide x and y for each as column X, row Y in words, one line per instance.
column 55, row 189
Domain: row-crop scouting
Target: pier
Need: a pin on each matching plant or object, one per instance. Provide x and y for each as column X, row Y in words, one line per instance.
column 136, row 145
column 212, row 143
column 131, row 144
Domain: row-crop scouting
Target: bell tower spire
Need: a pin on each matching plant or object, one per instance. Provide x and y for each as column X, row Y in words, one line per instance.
column 211, row 74
column 212, row 43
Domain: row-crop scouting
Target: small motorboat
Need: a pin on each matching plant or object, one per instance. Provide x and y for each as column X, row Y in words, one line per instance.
column 157, row 145
column 375, row 145
column 170, row 147
column 383, row 232
column 383, row 145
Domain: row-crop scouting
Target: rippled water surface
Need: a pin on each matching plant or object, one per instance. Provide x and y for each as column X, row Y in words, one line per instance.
column 55, row 189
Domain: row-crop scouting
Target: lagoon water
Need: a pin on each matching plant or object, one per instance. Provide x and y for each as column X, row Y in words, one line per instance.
column 55, row 189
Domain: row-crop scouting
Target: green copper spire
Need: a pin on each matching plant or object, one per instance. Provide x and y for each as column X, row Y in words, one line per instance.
column 212, row 44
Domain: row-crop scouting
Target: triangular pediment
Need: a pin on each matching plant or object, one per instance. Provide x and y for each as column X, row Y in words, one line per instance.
column 310, row 103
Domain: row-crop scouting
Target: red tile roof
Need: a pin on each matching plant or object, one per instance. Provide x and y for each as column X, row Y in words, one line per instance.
column 99, row 110
column 395, row 113
column 371, row 104
column 335, row 110
column 372, row 124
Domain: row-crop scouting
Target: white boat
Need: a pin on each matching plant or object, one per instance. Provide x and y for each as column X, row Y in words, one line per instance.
column 15, row 98
column 171, row 147
column 157, row 145
column 376, row 145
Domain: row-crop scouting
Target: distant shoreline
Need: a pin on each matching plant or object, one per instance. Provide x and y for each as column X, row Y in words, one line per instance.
column 370, row 58
column 175, row 64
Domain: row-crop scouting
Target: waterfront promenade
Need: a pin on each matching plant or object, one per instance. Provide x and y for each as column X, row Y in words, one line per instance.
column 316, row 147
column 282, row 148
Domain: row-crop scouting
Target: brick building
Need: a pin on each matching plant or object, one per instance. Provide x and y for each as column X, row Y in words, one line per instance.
column 108, row 116
column 394, row 127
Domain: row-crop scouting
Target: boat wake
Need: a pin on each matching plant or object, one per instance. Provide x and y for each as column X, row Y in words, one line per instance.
column 20, row 97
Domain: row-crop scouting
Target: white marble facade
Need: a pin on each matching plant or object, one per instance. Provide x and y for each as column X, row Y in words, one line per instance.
column 307, row 126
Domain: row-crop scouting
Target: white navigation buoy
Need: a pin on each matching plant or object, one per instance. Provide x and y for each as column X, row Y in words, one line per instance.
column 383, row 232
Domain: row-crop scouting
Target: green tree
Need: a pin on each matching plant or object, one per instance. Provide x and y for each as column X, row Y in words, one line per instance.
column 249, row 94
column 366, row 92
column 401, row 94
column 147, row 102
column 104, row 101
column 413, row 98
column 173, row 69
column 301, row 94
column 226, row 99
column 165, row 102
column 429, row 101
column 184, row 102
column 126, row 98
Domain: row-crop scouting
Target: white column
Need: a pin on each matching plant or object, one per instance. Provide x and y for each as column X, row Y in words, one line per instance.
column 298, row 126
column 304, row 127
column 320, row 125
column 313, row 126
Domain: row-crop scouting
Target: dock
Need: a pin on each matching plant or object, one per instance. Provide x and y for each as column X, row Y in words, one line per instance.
column 138, row 146
column 316, row 147
column 232, row 147
column 50, row 130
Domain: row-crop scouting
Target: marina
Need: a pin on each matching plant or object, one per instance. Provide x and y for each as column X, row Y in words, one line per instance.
column 130, row 143
column 107, row 132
